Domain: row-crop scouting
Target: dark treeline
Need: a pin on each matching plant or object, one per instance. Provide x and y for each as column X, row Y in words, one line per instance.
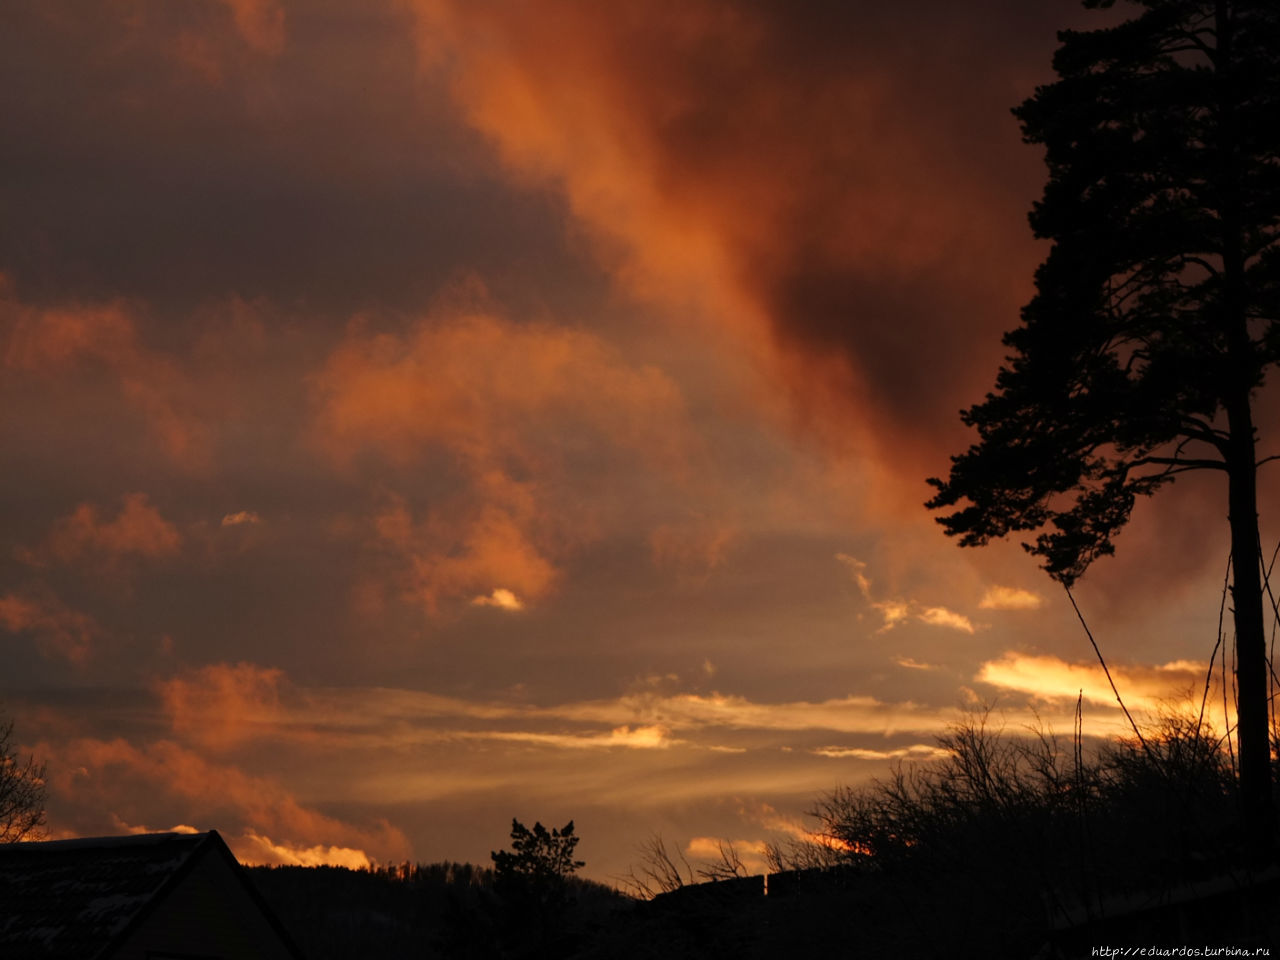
column 424, row 911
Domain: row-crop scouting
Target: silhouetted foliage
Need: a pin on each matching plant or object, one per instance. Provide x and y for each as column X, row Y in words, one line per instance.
column 1155, row 315
column 537, row 858
column 991, row 845
column 22, row 791
column 1011, row 845
column 532, row 880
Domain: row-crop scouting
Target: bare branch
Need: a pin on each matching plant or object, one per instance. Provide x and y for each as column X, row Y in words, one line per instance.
column 658, row 871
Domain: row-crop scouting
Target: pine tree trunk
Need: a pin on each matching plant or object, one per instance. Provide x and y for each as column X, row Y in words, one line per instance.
column 1253, row 721
column 1252, row 688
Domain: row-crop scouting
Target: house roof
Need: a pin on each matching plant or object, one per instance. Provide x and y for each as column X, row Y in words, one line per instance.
column 80, row 898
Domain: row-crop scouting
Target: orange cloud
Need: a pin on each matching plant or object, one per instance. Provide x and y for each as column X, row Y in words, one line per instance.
column 509, row 407
column 260, row 24
column 858, row 571
column 115, row 777
column 136, row 829
column 256, row 849
column 651, row 737
column 792, row 190
column 221, row 705
column 60, row 631
column 942, row 617
column 695, row 548
column 213, row 49
column 482, row 387
column 1010, row 598
column 70, row 340
column 765, row 815
column 1149, row 689
column 636, row 717
column 138, row 530
column 752, row 855
column 492, row 534
column 897, row 610
column 224, row 705
column 501, row 597
column 917, row 751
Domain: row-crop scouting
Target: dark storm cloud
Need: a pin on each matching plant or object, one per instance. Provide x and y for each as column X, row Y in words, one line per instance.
column 321, row 173
column 851, row 169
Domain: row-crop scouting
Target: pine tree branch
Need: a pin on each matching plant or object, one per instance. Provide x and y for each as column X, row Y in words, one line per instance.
column 1180, row 465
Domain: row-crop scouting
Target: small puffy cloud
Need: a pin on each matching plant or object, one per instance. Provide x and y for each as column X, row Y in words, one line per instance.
column 137, row 829
column 62, row 342
column 501, row 597
column 1010, row 598
column 751, row 855
column 260, row 24
column 896, row 610
column 858, row 571
column 893, row 611
column 60, row 631
column 138, row 530
column 255, row 848
column 498, row 536
column 1052, row 678
column 240, row 518
column 693, row 548
column 648, row 737
column 486, row 389
column 942, row 617
column 221, row 705
column 768, row 817
column 911, row 664
column 852, row 714
column 639, row 737
column 917, row 751
column 92, row 776
column 711, row 847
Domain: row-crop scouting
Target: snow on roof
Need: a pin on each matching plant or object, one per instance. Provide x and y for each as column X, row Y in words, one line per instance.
column 70, row 898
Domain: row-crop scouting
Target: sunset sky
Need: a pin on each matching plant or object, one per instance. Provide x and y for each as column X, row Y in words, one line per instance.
column 420, row 413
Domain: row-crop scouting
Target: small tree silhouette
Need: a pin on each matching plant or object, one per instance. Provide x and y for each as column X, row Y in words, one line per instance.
column 532, row 880
column 22, row 791
column 537, row 857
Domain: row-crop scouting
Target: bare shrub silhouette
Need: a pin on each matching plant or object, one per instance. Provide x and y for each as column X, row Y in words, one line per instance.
column 658, row 870
column 1015, row 832
column 22, row 791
